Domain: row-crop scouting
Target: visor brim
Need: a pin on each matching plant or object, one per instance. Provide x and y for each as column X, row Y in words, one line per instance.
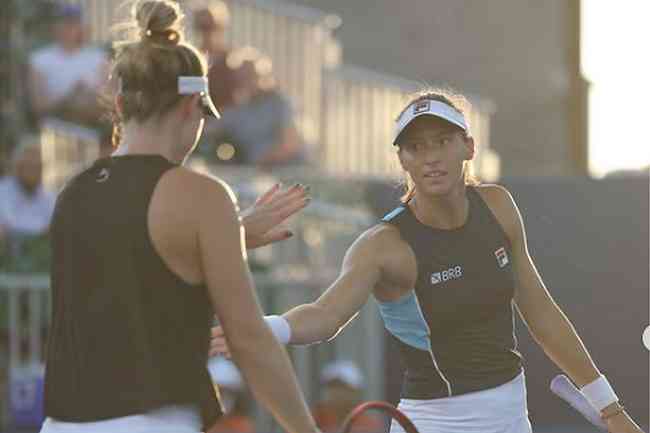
column 188, row 85
column 209, row 110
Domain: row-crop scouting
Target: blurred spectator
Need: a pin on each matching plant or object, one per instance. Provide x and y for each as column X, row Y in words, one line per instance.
column 343, row 384
column 25, row 212
column 66, row 77
column 210, row 20
column 6, row 84
column 5, row 137
column 233, row 397
column 260, row 126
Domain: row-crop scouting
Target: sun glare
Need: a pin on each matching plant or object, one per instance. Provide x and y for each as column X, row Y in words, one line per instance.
column 615, row 61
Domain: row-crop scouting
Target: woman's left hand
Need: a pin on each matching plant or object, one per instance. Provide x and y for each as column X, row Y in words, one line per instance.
column 622, row 423
column 263, row 221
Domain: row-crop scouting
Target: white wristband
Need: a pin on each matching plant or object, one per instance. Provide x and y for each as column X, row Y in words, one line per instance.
column 279, row 327
column 599, row 393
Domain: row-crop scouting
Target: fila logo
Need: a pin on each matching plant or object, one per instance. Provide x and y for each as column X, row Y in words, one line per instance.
column 421, row 107
column 502, row 257
column 450, row 274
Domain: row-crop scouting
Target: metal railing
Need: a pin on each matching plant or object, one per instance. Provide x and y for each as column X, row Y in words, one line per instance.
column 298, row 39
column 286, row 274
column 24, row 304
column 298, row 270
column 348, row 112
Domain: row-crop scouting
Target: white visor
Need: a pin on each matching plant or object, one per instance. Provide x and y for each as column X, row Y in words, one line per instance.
column 194, row 85
column 430, row 108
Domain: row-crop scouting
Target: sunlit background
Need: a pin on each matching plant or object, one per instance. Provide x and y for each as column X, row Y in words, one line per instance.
column 560, row 108
column 616, row 62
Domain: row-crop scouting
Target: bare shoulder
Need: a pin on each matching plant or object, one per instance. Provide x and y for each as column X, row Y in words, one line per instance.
column 493, row 193
column 383, row 247
column 503, row 206
column 380, row 238
column 199, row 191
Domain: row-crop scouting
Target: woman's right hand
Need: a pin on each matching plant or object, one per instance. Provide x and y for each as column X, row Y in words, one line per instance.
column 218, row 343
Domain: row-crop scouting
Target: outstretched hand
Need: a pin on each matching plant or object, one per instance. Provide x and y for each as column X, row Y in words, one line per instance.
column 263, row 221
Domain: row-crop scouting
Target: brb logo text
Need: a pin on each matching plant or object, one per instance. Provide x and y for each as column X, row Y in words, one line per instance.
column 452, row 273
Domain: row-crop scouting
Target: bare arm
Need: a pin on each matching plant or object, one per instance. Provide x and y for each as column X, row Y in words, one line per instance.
column 548, row 325
column 546, row 322
column 263, row 361
column 341, row 302
column 378, row 260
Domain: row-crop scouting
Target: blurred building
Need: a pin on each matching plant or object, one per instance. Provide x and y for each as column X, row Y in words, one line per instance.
column 523, row 55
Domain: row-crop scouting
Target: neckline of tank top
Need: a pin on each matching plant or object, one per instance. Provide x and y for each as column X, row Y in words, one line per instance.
column 470, row 212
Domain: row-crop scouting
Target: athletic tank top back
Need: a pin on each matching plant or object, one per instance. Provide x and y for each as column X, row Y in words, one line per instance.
column 127, row 335
column 455, row 330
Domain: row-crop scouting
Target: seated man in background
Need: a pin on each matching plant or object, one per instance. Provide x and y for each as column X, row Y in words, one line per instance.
column 343, row 384
column 25, row 212
column 260, row 125
column 67, row 77
column 210, row 21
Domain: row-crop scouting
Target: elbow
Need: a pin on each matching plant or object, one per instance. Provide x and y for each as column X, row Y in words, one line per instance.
column 547, row 330
column 330, row 322
column 331, row 332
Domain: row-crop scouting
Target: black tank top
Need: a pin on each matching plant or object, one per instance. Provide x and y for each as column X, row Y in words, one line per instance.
column 127, row 334
column 455, row 330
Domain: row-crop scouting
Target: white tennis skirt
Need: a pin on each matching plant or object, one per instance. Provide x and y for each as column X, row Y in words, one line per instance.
column 496, row 410
column 169, row 419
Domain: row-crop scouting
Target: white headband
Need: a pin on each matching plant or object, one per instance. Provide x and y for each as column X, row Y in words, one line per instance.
column 431, row 108
column 192, row 85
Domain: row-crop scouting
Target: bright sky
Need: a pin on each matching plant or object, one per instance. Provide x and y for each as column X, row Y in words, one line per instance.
column 616, row 60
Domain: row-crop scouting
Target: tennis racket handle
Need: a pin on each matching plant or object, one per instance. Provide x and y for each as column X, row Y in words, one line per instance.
column 566, row 390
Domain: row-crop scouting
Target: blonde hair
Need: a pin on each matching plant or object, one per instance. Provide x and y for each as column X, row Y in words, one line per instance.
column 149, row 59
column 459, row 103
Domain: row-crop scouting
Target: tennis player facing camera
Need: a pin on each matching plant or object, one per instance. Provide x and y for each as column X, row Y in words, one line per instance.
column 145, row 251
column 447, row 268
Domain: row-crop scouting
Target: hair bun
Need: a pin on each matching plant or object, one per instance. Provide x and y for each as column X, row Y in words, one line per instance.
column 159, row 21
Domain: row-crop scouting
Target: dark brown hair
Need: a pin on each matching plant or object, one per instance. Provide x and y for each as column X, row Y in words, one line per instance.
column 457, row 102
column 150, row 59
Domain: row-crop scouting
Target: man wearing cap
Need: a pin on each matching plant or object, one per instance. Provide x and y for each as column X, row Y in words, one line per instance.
column 230, row 387
column 25, row 206
column 343, row 384
column 210, row 21
column 66, row 77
